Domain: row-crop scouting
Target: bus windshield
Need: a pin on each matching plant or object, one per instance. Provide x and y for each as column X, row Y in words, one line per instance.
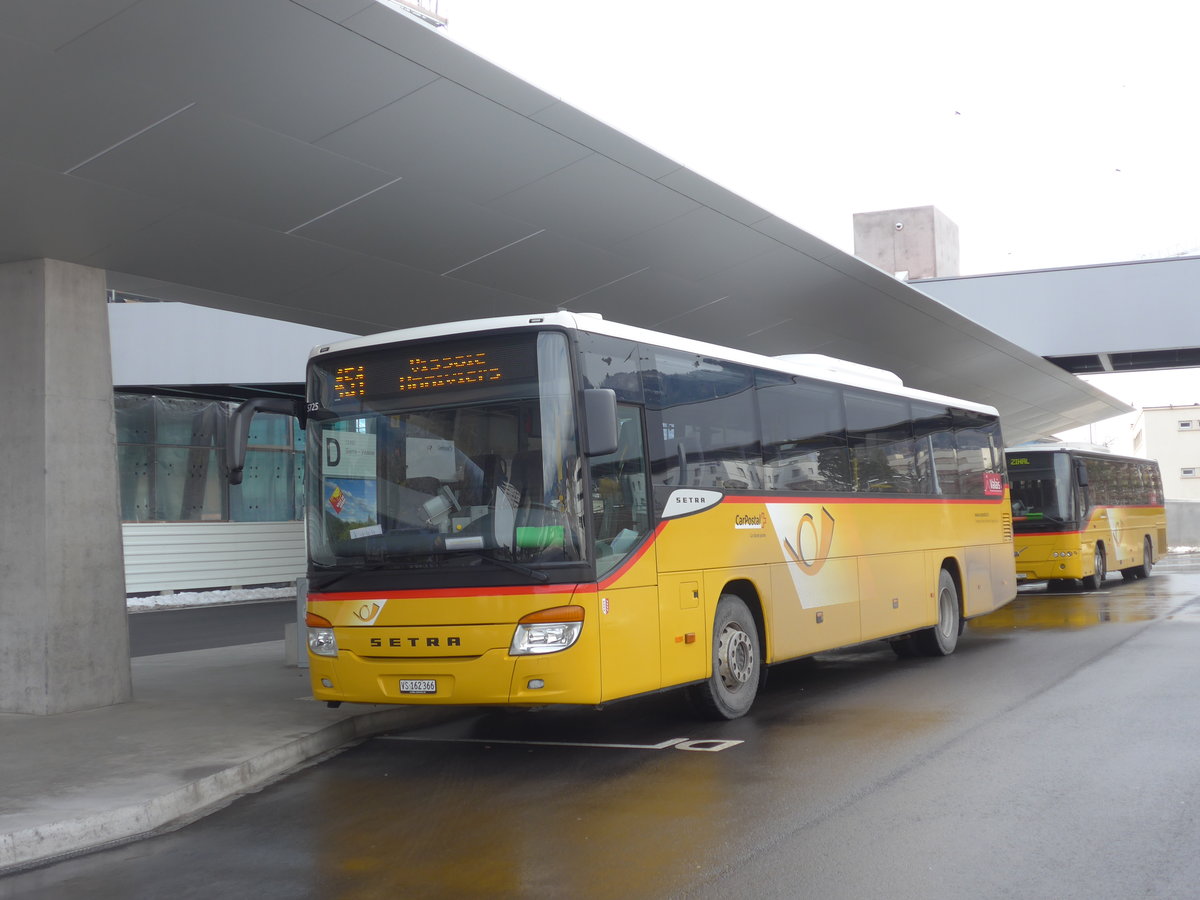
column 1041, row 489
column 458, row 472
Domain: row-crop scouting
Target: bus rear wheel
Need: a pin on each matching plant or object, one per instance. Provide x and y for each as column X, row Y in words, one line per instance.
column 1142, row 571
column 942, row 638
column 1099, row 570
column 729, row 691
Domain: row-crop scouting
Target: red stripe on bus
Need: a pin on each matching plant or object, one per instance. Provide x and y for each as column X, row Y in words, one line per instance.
column 856, row 498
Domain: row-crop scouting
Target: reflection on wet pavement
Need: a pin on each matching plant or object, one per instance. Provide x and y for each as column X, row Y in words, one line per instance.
column 1041, row 607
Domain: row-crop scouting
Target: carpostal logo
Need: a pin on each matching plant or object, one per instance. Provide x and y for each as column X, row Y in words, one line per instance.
column 813, row 542
column 742, row 522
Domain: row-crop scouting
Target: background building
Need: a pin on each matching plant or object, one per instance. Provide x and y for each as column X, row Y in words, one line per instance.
column 1171, row 434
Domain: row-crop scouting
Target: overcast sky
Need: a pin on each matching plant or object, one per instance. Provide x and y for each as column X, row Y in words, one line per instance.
column 1053, row 133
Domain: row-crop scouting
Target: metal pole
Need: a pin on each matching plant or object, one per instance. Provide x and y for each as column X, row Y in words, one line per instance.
column 301, row 627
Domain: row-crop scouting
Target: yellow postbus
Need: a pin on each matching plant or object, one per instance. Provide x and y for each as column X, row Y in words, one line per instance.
column 1080, row 512
column 558, row 509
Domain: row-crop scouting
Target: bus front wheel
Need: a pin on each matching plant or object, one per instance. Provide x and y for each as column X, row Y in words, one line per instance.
column 736, row 663
column 1093, row 581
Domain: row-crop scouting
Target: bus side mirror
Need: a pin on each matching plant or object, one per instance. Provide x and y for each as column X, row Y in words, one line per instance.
column 1081, row 476
column 239, row 429
column 600, row 426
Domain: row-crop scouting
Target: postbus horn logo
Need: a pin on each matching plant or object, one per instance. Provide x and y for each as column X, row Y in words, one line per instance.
column 821, row 539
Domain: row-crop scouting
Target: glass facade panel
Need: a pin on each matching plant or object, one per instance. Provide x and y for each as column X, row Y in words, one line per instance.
column 134, row 466
column 188, row 485
column 170, row 462
column 267, row 430
column 189, row 423
column 135, row 418
column 268, row 489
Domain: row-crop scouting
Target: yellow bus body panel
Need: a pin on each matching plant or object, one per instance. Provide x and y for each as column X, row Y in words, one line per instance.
column 1122, row 530
column 805, row 563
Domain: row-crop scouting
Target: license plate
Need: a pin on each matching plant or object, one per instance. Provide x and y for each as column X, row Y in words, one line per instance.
column 418, row 686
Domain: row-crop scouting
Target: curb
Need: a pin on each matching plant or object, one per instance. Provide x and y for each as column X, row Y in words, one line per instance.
column 43, row 844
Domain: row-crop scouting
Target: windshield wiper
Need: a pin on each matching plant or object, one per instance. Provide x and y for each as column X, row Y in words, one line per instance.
column 519, row 568
column 335, row 578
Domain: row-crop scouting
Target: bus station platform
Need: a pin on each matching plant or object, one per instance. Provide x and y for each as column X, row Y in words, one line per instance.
column 203, row 728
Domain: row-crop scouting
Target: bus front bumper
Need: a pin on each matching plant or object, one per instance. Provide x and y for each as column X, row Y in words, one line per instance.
column 496, row 677
column 1068, row 565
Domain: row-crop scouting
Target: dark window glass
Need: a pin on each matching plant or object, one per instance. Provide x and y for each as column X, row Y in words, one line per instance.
column 882, row 456
column 804, row 434
column 1128, row 486
column 620, row 508
column 1150, row 484
column 937, row 460
column 704, row 414
column 612, row 363
column 1099, row 482
column 977, row 437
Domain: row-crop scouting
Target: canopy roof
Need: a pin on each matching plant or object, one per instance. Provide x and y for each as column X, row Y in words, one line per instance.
column 336, row 163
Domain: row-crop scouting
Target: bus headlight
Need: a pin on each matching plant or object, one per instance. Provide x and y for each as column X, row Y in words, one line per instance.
column 547, row 630
column 321, row 640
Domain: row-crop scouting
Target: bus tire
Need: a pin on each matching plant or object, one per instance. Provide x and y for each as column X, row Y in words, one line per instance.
column 729, row 691
column 942, row 638
column 1092, row 582
column 1142, row 571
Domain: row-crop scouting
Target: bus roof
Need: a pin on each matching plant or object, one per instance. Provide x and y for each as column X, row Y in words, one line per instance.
column 819, row 368
column 1079, row 448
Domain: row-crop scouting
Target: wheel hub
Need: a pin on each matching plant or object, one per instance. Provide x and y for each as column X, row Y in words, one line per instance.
column 735, row 657
column 946, row 613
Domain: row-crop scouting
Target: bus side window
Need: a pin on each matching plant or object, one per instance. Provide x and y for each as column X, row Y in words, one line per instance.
column 708, row 419
column 978, row 444
column 881, row 446
column 937, row 464
column 804, row 434
column 620, row 510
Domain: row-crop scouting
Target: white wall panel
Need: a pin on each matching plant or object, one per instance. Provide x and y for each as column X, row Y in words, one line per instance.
column 162, row 556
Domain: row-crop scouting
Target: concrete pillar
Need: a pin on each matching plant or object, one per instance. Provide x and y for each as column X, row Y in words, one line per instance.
column 917, row 242
column 64, row 640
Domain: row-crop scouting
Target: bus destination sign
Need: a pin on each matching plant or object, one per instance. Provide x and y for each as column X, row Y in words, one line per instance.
column 410, row 374
column 447, row 371
column 419, row 374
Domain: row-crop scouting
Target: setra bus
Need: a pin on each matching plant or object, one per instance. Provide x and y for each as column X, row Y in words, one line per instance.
column 1080, row 511
column 558, row 509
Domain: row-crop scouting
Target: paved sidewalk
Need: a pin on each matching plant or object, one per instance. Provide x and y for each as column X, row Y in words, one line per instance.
column 204, row 727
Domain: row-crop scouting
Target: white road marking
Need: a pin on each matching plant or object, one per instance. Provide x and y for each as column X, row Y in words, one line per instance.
column 702, row 745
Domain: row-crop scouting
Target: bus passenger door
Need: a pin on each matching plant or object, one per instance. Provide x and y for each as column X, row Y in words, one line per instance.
column 626, row 569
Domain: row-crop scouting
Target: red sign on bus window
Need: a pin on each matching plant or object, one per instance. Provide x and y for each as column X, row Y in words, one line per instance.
column 993, row 484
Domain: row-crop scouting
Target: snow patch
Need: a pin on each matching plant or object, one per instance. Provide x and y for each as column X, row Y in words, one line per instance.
column 185, row 599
